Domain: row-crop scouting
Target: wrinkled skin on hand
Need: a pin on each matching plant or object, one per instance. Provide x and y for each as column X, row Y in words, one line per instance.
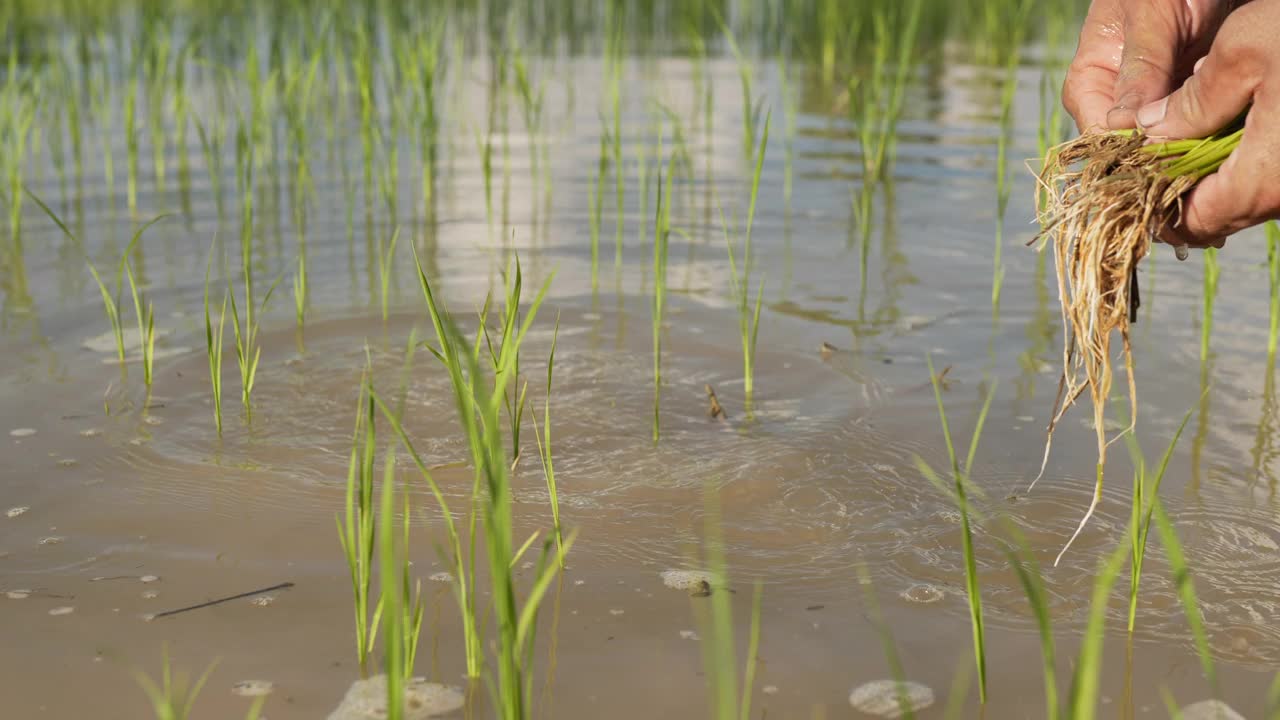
column 1187, row 69
column 1240, row 73
column 1133, row 52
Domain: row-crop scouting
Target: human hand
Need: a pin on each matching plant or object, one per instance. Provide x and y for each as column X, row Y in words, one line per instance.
column 1132, row 52
column 1241, row 71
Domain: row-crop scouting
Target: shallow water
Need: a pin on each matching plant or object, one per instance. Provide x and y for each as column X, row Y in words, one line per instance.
column 819, row 483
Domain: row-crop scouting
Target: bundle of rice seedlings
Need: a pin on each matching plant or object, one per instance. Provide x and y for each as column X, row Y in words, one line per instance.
column 1105, row 197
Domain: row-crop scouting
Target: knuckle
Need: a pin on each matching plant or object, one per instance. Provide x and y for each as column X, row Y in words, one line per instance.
column 1070, row 93
column 1228, row 214
column 1074, row 90
column 1238, row 54
column 1265, row 204
column 1143, row 67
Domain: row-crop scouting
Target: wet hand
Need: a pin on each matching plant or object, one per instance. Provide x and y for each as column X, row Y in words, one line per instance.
column 1241, row 71
column 1132, row 52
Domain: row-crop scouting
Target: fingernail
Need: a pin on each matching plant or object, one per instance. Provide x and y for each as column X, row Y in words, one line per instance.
column 1198, row 64
column 1152, row 114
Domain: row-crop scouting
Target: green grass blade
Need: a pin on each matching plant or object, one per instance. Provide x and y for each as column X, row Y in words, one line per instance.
column 1024, row 564
column 1083, row 700
column 753, row 654
column 1186, row 591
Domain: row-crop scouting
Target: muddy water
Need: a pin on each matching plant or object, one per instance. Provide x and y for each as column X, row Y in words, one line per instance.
column 113, row 488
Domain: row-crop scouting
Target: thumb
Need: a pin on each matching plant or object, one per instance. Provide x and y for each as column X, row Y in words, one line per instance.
column 1215, row 95
column 1147, row 61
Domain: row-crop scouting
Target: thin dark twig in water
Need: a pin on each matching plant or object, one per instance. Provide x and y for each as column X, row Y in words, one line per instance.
column 942, row 378
column 942, row 382
column 705, row 589
column 219, row 601
column 1135, row 299
column 715, row 411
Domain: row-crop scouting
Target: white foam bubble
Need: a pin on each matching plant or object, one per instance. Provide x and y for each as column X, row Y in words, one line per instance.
column 18, row 594
column 64, row 610
column 367, row 700
column 1210, row 710
column 253, row 688
column 888, row 698
column 14, row 512
column 441, row 577
column 149, row 578
column 22, row 432
column 686, row 579
column 130, row 337
column 923, row 593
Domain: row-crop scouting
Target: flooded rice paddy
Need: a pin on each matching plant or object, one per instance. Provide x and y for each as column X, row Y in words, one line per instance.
column 122, row 503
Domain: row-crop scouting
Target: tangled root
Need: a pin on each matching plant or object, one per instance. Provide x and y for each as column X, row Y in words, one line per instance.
column 1102, row 201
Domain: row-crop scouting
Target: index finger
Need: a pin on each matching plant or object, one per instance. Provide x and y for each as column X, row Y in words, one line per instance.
column 1088, row 92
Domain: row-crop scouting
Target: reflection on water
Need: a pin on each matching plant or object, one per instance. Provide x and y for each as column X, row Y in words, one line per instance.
column 820, row 483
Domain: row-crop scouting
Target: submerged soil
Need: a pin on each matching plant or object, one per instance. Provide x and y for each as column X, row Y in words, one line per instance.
column 138, row 508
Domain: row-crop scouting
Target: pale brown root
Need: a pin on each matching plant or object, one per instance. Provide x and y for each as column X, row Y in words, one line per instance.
column 1060, row 409
column 1097, row 496
column 1106, row 200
